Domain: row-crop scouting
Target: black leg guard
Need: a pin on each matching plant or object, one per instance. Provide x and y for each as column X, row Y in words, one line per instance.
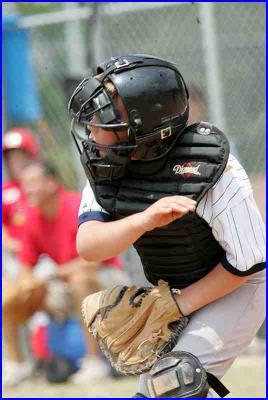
column 180, row 374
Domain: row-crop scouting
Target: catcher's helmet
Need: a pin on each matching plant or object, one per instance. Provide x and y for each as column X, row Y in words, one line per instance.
column 155, row 98
column 21, row 138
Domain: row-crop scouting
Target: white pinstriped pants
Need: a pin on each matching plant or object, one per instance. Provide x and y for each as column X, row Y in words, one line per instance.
column 220, row 331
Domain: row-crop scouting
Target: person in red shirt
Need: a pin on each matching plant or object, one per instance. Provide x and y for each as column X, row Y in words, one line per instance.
column 19, row 147
column 50, row 229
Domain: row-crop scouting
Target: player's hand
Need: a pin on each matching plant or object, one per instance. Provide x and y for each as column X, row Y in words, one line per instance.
column 11, row 245
column 166, row 210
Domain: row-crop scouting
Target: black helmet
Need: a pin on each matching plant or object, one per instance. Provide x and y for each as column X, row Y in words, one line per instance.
column 155, row 99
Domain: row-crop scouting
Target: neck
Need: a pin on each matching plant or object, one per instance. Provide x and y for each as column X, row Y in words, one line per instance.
column 50, row 207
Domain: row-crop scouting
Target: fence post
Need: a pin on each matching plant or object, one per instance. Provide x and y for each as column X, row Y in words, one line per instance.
column 211, row 61
column 22, row 100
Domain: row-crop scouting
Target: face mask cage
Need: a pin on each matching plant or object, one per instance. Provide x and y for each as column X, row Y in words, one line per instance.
column 92, row 99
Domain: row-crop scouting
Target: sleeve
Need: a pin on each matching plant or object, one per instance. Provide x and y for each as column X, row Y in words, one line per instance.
column 7, row 195
column 90, row 209
column 29, row 253
column 231, row 211
column 5, row 214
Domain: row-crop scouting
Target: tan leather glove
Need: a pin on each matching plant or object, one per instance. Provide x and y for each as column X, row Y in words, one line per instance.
column 134, row 326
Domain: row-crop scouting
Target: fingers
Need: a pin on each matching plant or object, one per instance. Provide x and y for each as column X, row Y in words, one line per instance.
column 183, row 200
column 166, row 210
column 174, row 208
column 178, row 204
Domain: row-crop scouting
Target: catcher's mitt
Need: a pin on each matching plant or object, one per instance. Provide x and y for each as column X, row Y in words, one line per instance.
column 22, row 297
column 134, row 326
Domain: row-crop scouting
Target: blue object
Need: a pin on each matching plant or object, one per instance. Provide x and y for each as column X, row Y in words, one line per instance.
column 22, row 103
column 67, row 339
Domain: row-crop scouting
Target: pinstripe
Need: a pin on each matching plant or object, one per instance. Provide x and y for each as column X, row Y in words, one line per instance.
column 213, row 204
column 239, row 169
column 261, row 230
column 234, row 248
column 205, row 204
column 221, row 229
column 228, row 203
column 237, row 234
column 252, row 250
column 252, row 228
column 228, row 227
column 232, row 180
column 211, row 217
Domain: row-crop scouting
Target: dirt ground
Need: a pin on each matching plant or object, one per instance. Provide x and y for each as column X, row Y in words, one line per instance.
column 245, row 379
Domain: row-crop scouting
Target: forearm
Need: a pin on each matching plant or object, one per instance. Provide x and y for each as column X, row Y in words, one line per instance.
column 103, row 240
column 4, row 234
column 25, row 269
column 10, row 244
column 216, row 284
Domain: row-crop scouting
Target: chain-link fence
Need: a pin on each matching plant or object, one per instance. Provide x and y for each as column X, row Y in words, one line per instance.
column 62, row 52
column 173, row 31
column 49, row 53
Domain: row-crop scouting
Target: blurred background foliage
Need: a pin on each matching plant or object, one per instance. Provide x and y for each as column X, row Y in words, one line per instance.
column 64, row 52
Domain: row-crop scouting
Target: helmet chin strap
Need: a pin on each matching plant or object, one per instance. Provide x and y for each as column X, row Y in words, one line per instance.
column 111, row 156
column 144, row 152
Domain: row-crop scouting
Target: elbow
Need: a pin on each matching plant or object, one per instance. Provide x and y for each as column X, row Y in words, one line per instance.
column 84, row 248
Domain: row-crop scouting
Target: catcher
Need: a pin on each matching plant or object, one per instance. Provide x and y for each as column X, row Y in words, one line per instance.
column 186, row 204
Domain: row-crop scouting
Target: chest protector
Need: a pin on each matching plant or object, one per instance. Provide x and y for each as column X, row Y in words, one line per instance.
column 185, row 250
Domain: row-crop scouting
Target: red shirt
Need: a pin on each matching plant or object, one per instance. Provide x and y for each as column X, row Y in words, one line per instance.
column 55, row 237
column 14, row 204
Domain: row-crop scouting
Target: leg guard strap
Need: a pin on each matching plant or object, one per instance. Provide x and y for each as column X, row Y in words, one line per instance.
column 216, row 385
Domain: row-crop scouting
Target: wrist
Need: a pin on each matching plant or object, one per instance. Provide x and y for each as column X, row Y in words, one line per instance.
column 138, row 223
column 184, row 306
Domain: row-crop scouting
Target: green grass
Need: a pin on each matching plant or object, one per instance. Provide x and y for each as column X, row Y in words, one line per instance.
column 245, row 379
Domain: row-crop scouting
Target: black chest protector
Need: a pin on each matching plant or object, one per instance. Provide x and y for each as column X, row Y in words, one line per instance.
column 185, row 250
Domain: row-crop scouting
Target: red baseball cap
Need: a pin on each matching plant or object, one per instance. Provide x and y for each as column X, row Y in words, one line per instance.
column 21, row 138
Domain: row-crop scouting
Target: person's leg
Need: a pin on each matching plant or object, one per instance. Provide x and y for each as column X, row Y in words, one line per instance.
column 15, row 369
column 81, row 285
column 11, row 340
column 219, row 332
column 11, row 343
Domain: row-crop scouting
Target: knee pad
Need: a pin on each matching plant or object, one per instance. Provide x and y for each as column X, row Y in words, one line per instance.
column 180, row 374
